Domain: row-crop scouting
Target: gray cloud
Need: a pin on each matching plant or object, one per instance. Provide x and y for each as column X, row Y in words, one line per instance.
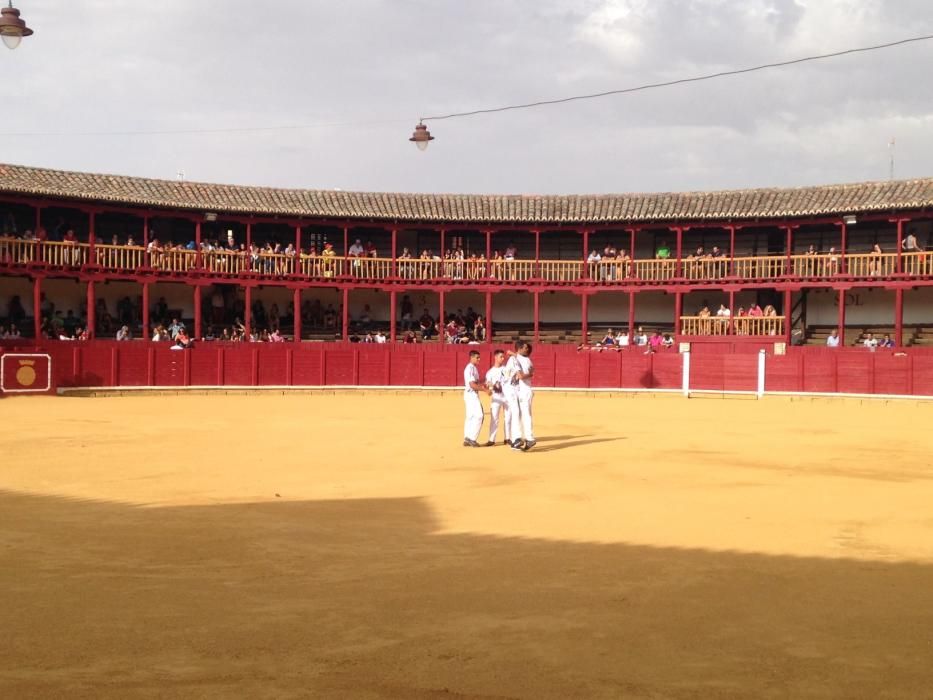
column 120, row 65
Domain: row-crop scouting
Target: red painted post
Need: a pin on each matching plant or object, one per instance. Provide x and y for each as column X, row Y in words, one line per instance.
column 537, row 271
column 249, row 234
column 842, row 317
column 631, row 315
column 393, row 302
column 296, row 303
column 146, row 334
column 731, row 251
column 443, row 242
column 537, row 315
column 788, row 313
column 632, row 232
column 38, row 219
column 37, row 307
column 197, row 312
column 345, row 311
column 899, row 317
column 91, row 238
column 488, row 317
column 346, row 241
column 788, row 267
column 584, row 317
column 900, row 245
column 440, row 315
column 394, row 256
column 842, row 248
column 679, row 312
column 730, row 330
column 297, row 247
column 488, row 233
column 248, row 301
column 197, row 245
column 680, row 249
column 145, row 230
column 91, row 320
column 586, row 253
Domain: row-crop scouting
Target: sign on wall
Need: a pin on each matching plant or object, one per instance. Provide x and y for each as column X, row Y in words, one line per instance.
column 25, row 373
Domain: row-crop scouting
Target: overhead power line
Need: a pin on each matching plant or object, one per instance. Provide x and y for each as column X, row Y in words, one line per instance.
column 475, row 112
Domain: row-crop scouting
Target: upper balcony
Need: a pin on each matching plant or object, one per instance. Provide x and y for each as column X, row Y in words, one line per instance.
column 182, row 264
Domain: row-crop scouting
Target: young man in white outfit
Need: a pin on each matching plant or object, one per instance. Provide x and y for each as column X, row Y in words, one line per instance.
column 496, row 380
column 474, row 407
column 521, row 370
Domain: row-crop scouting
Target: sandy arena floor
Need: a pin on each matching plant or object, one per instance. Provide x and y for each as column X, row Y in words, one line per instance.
column 348, row 547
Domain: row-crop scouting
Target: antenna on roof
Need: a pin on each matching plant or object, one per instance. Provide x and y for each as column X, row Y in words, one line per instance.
column 180, row 175
column 891, row 153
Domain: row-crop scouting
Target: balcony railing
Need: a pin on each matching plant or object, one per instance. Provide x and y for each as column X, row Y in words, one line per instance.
column 741, row 325
column 765, row 268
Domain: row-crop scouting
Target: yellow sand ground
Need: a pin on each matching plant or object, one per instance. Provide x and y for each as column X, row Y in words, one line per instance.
column 347, row 546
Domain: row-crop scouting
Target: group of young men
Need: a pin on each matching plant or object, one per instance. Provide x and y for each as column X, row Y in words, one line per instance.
column 508, row 383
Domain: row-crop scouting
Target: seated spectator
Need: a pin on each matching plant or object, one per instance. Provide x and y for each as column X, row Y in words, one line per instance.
column 667, row 341
column 182, row 340
column 663, row 252
column 276, row 336
column 641, row 338
column 124, row 333
column 832, row 340
column 655, row 342
column 886, row 342
column 479, row 329
column 870, row 342
column 410, row 338
column 609, row 338
column 623, row 340
column 175, row 328
column 426, row 323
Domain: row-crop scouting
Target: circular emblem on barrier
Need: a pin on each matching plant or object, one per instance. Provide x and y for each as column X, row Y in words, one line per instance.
column 26, row 375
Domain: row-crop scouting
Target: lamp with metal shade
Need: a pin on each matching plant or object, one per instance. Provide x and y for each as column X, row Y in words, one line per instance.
column 12, row 28
column 421, row 137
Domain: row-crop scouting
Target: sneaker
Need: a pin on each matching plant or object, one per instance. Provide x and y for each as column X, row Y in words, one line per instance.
column 490, row 444
column 530, row 444
column 467, row 442
column 517, row 445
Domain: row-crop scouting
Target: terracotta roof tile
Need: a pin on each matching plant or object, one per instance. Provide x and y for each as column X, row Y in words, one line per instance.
column 480, row 209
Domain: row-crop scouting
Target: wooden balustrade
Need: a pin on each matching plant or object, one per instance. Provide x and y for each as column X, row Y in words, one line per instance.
column 753, row 268
column 741, row 325
column 560, row 270
column 119, row 257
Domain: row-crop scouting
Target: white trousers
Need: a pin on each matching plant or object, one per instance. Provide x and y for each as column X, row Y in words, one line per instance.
column 499, row 406
column 474, row 415
column 520, row 414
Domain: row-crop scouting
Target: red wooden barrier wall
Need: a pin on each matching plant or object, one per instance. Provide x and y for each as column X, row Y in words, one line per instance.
column 108, row 363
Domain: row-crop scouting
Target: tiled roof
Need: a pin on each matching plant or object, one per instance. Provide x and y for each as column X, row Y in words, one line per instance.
column 464, row 208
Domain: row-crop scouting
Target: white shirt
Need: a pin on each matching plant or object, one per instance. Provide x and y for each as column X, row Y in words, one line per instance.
column 832, row 341
column 355, row 249
column 470, row 374
column 523, row 364
column 641, row 339
column 380, row 338
column 496, row 375
column 622, row 339
column 724, row 313
column 871, row 343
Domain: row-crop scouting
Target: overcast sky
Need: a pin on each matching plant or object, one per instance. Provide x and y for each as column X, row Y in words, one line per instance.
column 125, row 65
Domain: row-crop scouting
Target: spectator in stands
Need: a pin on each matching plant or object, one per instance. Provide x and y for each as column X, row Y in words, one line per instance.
column 479, row 329
column 175, row 328
column 426, row 323
column 182, row 341
column 15, row 311
column 70, row 323
column 832, row 340
column 276, row 336
column 910, row 243
column 623, row 340
column 380, row 338
column 870, row 341
column 609, row 338
column 371, row 250
column 408, row 312
column 886, row 342
column 832, row 261
column 769, row 311
column 663, row 252
column 723, row 316
column 655, row 342
column 13, row 333
column 410, row 338
column 124, row 333
column 641, row 338
column 754, row 310
column 667, row 341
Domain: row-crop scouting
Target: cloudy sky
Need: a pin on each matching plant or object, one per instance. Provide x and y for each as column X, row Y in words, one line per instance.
column 361, row 73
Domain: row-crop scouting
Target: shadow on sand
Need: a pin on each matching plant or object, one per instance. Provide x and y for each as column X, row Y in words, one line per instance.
column 362, row 599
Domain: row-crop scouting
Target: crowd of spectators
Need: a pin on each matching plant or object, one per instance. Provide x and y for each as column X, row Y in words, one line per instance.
column 624, row 339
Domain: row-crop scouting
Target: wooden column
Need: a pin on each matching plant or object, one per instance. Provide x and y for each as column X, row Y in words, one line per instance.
column 37, row 307
column 586, row 253
column 197, row 245
column 841, row 326
column 296, row 313
column 248, row 313
column 440, row 315
column 297, row 248
column 842, row 247
column 900, row 250
column 249, row 235
column 731, row 251
column 632, row 232
column 91, row 237
column 631, row 314
column 899, row 317
column 537, row 316
column 146, row 331
column 537, row 274
column 679, row 311
column 731, row 329
column 394, row 257
column 91, row 315
column 788, row 313
column 488, row 317
column 678, row 269
column 584, row 316
column 145, row 230
column 789, row 245
column 345, row 311
column 393, row 302
column 346, row 241
column 489, row 251
column 197, row 312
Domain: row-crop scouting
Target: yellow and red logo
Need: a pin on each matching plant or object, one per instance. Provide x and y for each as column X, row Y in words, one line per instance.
column 24, row 373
